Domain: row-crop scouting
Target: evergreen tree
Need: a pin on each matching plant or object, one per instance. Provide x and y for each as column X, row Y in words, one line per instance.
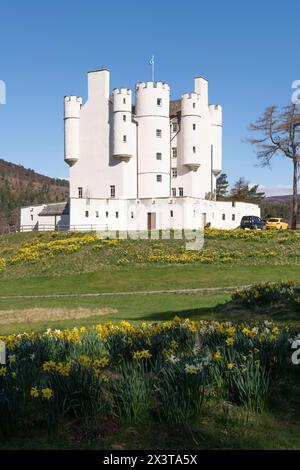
column 222, row 187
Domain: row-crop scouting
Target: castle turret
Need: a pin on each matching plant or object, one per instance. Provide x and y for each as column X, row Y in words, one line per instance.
column 72, row 105
column 152, row 115
column 216, row 138
column 122, row 124
column 190, row 128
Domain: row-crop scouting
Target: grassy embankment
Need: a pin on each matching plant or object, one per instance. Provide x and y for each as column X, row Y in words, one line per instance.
column 53, row 283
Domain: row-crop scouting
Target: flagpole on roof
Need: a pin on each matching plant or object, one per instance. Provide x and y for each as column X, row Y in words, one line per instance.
column 152, row 65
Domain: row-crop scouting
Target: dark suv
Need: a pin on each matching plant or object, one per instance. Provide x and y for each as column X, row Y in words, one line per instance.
column 252, row 222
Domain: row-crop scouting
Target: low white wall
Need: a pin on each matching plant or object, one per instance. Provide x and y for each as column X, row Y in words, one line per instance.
column 177, row 213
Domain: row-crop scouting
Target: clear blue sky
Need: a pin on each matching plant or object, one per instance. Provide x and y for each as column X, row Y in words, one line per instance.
column 248, row 50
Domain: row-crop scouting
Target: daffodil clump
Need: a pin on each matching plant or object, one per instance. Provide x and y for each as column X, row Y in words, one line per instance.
column 252, row 235
column 286, row 292
column 126, row 371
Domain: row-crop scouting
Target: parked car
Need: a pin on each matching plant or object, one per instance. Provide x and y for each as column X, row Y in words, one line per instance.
column 277, row 224
column 252, row 222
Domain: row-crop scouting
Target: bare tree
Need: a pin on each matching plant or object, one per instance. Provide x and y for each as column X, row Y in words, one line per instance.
column 279, row 134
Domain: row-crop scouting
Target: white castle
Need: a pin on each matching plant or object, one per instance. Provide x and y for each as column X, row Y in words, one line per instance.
column 151, row 163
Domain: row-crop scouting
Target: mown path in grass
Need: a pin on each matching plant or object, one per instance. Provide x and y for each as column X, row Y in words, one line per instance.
column 69, row 292
column 149, row 278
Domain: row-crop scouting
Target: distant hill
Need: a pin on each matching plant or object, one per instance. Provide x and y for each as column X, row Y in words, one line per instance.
column 280, row 199
column 278, row 206
column 21, row 186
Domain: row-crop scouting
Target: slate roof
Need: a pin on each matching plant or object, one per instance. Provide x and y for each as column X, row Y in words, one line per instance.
column 61, row 208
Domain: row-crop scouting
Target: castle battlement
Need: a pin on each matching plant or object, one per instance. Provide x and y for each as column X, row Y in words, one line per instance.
column 121, row 91
column 190, row 96
column 73, row 99
column 158, row 85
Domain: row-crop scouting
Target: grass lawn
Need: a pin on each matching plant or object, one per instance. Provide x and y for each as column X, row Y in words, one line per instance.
column 90, row 271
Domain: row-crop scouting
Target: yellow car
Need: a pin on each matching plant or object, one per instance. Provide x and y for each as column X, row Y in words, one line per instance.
column 277, row 224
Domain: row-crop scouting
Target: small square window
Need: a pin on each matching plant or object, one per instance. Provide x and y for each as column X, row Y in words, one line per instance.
column 233, row 217
column 132, row 215
column 124, row 117
column 159, row 178
column 171, row 213
column 97, row 214
column 117, row 215
column 173, row 192
column 86, row 213
column 80, row 193
column 233, row 204
column 124, row 100
column 159, row 102
column 158, row 133
column 180, row 192
column 124, row 138
column 174, row 152
column 174, row 172
column 194, row 127
column 223, row 217
column 194, row 149
column 112, row 191
column 106, row 214
column 158, row 155
column 194, row 105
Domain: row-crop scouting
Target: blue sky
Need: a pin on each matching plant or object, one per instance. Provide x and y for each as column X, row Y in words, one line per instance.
column 249, row 51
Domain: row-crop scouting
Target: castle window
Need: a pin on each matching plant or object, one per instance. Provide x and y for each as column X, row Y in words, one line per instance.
column 174, row 126
column 86, row 213
column 158, row 156
column 158, row 133
column 233, row 203
column 180, row 192
column 159, row 102
column 117, row 215
column 194, row 105
column 223, row 217
column 171, row 213
column 159, row 178
column 112, row 191
column 174, row 152
column 174, row 172
column 124, row 138
column 31, row 217
column 124, row 117
column 124, row 100
column 80, row 193
column 194, row 149
column 194, row 127
column 97, row 214
column 233, row 217
column 173, row 192
column 132, row 215
column 106, row 214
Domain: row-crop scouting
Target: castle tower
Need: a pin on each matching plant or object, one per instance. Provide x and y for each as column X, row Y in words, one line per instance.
column 190, row 129
column 72, row 106
column 122, row 124
column 152, row 116
column 216, row 137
